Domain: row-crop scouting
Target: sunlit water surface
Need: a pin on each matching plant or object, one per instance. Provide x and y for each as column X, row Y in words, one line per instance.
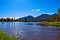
column 30, row 31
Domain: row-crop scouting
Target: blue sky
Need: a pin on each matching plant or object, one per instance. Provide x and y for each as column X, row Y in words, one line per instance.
column 21, row 8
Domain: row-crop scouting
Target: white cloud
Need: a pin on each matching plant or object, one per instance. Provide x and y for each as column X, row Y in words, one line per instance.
column 37, row 10
column 32, row 10
column 48, row 13
column 52, row 13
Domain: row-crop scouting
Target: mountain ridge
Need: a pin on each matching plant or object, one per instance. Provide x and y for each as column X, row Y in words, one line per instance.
column 41, row 17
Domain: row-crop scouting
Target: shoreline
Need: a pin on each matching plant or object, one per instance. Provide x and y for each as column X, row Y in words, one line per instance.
column 54, row 24
column 4, row 36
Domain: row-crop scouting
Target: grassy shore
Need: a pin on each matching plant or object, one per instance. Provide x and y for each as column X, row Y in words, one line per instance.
column 55, row 24
column 4, row 36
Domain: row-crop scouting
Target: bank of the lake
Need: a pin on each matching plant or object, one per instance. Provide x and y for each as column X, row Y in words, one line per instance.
column 54, row 24
column 4, row 36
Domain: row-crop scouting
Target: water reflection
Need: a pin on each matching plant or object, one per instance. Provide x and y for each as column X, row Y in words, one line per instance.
column 30, row 32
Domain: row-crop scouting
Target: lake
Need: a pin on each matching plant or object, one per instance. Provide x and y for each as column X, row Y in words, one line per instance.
column 30, row 31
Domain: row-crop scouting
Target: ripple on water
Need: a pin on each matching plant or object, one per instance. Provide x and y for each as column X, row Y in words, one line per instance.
column 31, row 32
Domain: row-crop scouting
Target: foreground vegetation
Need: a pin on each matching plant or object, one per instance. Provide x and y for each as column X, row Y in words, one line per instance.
column 4, row 36
column 55, row 24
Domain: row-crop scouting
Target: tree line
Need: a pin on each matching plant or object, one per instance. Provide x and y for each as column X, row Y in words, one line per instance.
column 53, row 19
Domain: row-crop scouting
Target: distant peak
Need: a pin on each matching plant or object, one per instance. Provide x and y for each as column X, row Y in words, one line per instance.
column 29, row 16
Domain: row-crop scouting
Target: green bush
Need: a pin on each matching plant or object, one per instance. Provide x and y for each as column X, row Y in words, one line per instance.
column 4, row 36
column 55, row 24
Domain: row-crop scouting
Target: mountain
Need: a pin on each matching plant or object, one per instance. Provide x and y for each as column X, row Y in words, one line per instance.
column 27, row 18
column 54, row 15
column 43, row 16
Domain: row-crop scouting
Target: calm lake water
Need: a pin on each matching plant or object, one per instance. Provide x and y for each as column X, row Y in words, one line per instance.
column 30, row 31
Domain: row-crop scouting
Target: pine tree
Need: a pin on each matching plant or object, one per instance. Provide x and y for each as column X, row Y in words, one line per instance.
column 58, row 11
column 58, row 14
